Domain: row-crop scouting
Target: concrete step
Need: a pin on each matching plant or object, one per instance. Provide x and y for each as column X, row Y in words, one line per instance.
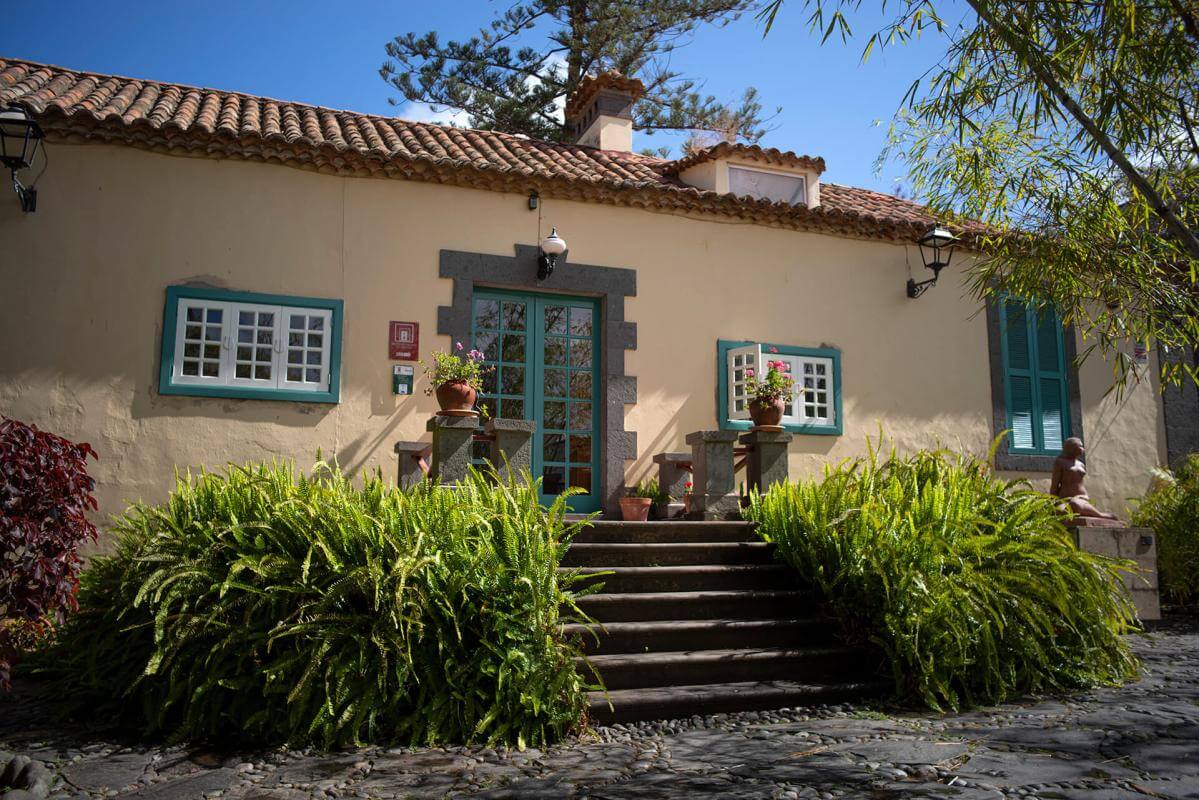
column 733, row 604
column 699, row 634
column 674, row 702
column 815, row 664
column 666, row 531
column 689, row 578
column 659, row 554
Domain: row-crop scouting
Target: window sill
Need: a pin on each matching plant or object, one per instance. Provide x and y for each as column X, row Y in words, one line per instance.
column 241, row 393
column 803, row 430
column 1024, row 462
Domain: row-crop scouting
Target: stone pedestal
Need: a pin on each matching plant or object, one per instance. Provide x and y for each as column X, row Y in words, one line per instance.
column 409, row 471
column 512, row 447
column 452, row 439
column 1135, row 544
column 715, row 491
column 766, row 462
column 674, row 471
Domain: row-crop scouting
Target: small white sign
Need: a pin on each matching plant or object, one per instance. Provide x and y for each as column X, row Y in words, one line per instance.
column 400, row 369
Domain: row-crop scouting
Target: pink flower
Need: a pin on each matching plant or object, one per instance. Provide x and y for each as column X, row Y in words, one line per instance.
column 749, row 373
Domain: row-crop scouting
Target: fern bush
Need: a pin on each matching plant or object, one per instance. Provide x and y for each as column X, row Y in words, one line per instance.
column 1171, row 508
column 970, row 587
column 266, row 605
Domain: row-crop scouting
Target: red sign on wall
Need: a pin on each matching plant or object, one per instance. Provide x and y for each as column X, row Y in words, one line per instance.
column 403, row 341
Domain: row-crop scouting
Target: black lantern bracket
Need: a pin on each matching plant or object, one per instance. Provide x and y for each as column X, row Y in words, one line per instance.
column 20, row 140
column 936, row 251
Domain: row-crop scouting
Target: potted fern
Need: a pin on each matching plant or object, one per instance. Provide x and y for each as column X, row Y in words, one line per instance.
column 456, row 380
column 769, row 394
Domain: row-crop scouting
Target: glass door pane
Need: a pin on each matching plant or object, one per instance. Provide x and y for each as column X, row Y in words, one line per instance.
column 568, row 399
column 544, row 351
column 501, row 332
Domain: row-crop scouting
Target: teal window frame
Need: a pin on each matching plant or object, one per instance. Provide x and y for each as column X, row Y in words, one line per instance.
column 1036, row 373
column 169, row 327
column 722, row 386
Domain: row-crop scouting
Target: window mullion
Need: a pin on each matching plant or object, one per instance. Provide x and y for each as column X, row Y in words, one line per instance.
column 279, row 349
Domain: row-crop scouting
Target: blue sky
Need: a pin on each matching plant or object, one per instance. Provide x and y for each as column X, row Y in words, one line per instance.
column 329, row 54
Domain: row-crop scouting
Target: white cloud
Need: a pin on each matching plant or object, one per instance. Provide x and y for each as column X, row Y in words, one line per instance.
column 438, row 115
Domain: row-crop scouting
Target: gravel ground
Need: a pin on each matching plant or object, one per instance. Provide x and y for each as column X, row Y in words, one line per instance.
column 1129, row 742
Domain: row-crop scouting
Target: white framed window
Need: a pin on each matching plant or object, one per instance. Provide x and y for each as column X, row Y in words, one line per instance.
column 815, row 407
column 251, row 345
column 768, row 185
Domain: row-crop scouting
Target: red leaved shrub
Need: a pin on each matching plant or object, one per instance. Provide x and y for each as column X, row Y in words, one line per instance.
column 45, row 493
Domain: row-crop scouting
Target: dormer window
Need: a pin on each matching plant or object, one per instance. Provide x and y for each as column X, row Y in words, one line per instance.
column 777, row 187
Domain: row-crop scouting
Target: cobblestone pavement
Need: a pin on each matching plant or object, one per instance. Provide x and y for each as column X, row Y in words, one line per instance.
column 1131, row 742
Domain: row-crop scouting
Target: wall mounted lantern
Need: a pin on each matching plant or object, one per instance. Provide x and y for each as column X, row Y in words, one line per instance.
column 552, row 246
column 936, row 249
column 20, row 138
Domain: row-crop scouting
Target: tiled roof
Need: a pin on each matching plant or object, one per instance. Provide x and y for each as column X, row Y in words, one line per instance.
column 752, row 152
column 165, row 117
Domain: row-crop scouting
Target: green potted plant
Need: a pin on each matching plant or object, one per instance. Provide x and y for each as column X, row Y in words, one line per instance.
column 636, row 504
column 769, row 394
column 456, row 380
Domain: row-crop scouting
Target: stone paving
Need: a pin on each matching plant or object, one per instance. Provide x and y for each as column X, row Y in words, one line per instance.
column 1140, row 740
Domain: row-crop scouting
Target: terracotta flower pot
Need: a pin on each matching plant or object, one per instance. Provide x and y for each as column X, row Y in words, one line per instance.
column 686, row 504
column 456, row 396
column 767, row 412
column 635, row 509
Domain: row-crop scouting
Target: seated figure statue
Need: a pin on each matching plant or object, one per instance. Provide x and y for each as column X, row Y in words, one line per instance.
column 1067, row 482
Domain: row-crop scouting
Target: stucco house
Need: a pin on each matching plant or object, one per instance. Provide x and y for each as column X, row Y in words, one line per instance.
column 212, row 277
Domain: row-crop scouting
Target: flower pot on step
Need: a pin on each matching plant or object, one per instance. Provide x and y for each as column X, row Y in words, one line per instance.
column 456, row 397
column 766, row 412
column 635, row 509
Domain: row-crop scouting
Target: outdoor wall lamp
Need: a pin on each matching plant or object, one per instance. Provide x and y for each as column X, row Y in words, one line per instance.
column 552, row 246
column 936, row 240
column 20, row 138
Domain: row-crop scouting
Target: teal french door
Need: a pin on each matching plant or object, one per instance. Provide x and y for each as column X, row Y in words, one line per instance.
column 544, row 350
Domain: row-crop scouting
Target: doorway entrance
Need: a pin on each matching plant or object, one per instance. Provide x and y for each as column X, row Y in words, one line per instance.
column 544, row 351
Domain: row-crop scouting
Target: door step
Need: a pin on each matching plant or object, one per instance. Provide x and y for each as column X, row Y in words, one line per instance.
column 698, row 634
column 693, row 578
column 683, row 668
column 663, row 554
column 728, row 604
column 667, row 531
column 674, row 702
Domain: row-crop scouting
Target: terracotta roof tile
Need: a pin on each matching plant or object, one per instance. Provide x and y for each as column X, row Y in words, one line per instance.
column 171, row 118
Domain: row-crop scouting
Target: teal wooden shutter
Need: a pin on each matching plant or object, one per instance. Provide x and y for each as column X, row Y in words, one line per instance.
column 1051, row 381
column 1018, row 376
column 1035, row 375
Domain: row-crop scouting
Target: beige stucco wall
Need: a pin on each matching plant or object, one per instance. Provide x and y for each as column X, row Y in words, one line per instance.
column 84, row 279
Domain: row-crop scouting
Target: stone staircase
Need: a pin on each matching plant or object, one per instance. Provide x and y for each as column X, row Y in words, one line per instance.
column 698, row 618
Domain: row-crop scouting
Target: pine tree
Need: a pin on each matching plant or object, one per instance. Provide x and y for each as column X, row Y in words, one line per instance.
column 516, row 73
